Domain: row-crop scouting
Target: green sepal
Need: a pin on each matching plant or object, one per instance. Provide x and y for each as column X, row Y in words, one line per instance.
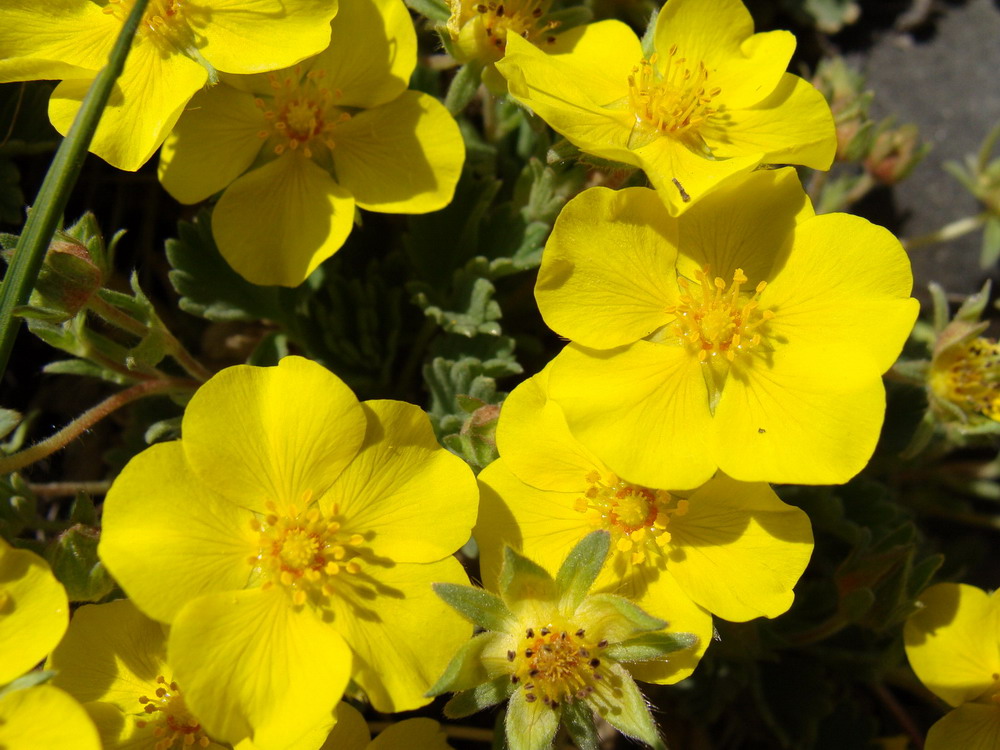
column 520, row 578
column 648, row 41
column 568, row 18
column 482, row 696
column 463, row 87
column 650, row 646
column 478, row 606
column 466, row 669
column 620, row 703
column 616, row 619
column 29, row 680
column 530, row 726
column 435, row 10
column 9, row 419
column 579, row 722
column 581, row 567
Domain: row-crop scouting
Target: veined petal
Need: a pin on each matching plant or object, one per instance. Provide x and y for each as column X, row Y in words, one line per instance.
column 973, row 726
column 642, row 408
column 952, row 641
column 422, row 734
column 214, row 142
column 845, row 283
column 159, row 516
column 739, row 550
column 601, row 55
column 417, row 500
column 250, row 36
column 45, row 717
column 404, row 156
column 607, row 275
column 535, row 443
column 34, row 611
column 56, row 39
column 144, row 105
column 281, row 434
column 278, row 222
column 395, row 663
column 542, row 523
column 253, row 666
column 350, row 732
column 372, row 52
column 761, row 211
column 796, row 415
column 530, row 726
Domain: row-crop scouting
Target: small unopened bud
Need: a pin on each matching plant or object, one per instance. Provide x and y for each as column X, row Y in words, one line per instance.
column 73, row 557
column 894, row 154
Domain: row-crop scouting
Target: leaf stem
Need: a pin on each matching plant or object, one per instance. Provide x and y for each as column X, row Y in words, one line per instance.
column 63, row 489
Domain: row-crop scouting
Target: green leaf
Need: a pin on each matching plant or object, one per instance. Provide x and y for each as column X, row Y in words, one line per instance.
column 520, row 579
column 29, row 680
column 581, row 567
column 165, row 429
column 990, row 252
column 434, row 10
column 463, row 87
column 618, row 701
column 579, row 722
column 530, row 726
column 650, row 646
column 466, row 669
column 9, row 419
column 478, row 606
column 482, row 696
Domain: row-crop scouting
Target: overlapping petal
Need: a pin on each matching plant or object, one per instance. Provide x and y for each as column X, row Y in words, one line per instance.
column 54, row 40
column 972, row 726
column 45, row 717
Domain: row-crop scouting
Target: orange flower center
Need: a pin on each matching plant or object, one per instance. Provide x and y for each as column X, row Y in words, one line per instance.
column 969, row 376
column 714, row 320
column 637, row 517
column 301, row 112
column 304, row 551
column 170, row 719
column 556, row 665
column 673, row 99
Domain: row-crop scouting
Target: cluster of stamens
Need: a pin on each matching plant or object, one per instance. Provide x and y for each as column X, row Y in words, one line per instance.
column 556, row 666
column 304, row 551
column 162, row 17
column 301, row 113
column 525, row 18
column 637, row 517
column 969, row 376
column 718, row 321
column 172, row 723
column 674, row 99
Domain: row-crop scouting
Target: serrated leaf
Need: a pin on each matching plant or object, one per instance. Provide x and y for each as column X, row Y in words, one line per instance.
column 650, row 646
column 466, row 669
column 482, row 696
column 581, row 567
column 478, row 606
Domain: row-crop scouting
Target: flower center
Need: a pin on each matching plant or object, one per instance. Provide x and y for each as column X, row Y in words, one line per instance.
column 969, row 376
column 718, row 321
column 556, row 666
column 637, row 517
column 170, row 719
column 673, row 99
column 162, row 18
column 525, row 18
column 300, row 114
column 304, row 551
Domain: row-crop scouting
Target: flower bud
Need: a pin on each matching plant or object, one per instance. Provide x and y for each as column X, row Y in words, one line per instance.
column 894, row 154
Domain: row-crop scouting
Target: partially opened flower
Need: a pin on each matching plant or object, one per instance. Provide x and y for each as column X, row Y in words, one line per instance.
column 290, row 539
column 711, row 102
column 34, row 611
column 297, row 150
column 556, row 651
column 179, row 48
column 953, row 644
column 748, row 334
column 728, row 548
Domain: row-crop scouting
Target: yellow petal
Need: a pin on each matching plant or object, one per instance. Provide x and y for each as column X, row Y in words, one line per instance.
column 740, row 550
column 249, row 36
column 278, row 222
column 213, row 143
column 159, row 516
column 799, row 416
column 844, row 283
column 974, row 726
column 417, row 500
column 642, row 409
column 395, row 662
column 372, row 52
column 350, row 732
column 280, row 434
column 952, row 641
column 607, row 275
column 411, row 734
column 402, row 157
column 144, row 105
column 111, row 653
column 56, row 39
column 45, row 717
column 251, row 665
column 34, row 611
column 600, row 55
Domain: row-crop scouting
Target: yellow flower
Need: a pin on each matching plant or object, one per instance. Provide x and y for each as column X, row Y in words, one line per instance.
column 965, row 371
column 34, row 611
column 729, row 548
column 290, row 540
column 178, row 49
column 711, row 102
column 748, row 334
column 351, row 733
column 45, row 718
column 953, row 644
column 338, row 131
